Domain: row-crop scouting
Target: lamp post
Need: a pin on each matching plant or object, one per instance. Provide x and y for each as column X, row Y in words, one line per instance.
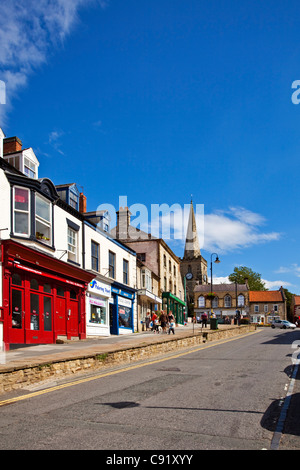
column 217, row 261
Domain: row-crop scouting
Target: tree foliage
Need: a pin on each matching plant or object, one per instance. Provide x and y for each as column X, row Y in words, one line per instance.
column 241, row 273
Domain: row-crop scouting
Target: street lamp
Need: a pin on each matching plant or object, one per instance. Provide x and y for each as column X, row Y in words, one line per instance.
column 217, row 261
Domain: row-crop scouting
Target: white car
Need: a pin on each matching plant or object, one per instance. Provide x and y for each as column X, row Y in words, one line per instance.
column 283, row 324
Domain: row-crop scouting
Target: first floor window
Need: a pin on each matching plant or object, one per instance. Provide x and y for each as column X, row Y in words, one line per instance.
column 256, row 308
column 215, row 302
column 42, row 219
column 112, row 264
column 95, row 256
column 72, row 244
column 125, row 271
column 201, row 301
column 21, row 211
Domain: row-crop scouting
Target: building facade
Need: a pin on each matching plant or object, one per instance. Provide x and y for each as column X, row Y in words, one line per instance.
column 61, row 276
column 267, row 305
column 227, row 300
column 160, row 260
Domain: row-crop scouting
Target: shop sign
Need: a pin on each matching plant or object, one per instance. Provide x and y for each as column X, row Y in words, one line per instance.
column 99, row 303
column 122, row 292
column 100, row 288
column 124, row 302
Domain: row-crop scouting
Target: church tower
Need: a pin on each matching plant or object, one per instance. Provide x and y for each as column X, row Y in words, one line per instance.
column 193, row 266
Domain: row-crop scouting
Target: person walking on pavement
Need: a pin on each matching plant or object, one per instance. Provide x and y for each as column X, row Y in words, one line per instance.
column 163, row 321
column 204, row 319
column 171, row 320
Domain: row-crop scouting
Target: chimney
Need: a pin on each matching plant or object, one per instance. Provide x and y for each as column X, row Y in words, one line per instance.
column 11, row 145
column 123, row 223
column 82, row 203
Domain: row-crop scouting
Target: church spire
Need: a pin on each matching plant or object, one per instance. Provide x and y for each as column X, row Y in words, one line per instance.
column 192, row 247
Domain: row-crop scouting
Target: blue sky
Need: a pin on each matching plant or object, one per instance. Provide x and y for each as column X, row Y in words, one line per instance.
column 158, row 100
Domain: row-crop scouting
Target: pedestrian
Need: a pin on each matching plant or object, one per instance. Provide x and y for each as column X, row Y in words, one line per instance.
column 163, row 321
column 153, row 320
column 148, row 319
column 204, row 319
column 171, row 320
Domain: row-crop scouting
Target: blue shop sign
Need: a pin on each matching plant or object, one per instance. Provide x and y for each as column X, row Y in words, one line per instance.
column 114, row 290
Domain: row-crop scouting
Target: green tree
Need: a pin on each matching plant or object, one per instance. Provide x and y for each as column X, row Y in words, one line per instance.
column 254, row 279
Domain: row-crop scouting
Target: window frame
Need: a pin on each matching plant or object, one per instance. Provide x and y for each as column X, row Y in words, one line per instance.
column 41, row 220
column 96, row 257
column 21, row 211
column 125, row 271
column 112, row 267
column 75, row 245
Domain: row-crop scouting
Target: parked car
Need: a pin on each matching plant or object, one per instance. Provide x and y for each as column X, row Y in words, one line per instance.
column 283, row 324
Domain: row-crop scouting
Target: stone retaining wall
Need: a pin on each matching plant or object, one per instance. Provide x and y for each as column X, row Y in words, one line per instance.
column 20, row 377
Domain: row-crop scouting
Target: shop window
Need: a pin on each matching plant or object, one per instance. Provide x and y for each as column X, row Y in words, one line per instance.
column 21, row 211
column 112, row 264
column 125, row 316
column 16, row 304
column 34, row 284
column 42, row 219
column 47, row 288
column 60, row 291
column 98, row 315
column 73, row 295
column 95, row 255
column 16, row 280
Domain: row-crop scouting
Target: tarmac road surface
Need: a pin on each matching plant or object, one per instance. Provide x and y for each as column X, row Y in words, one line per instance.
column 224, row 395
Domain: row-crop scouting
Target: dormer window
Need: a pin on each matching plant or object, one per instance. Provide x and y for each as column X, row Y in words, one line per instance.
column 29, row 168
column 69, row 193
column 23, row 160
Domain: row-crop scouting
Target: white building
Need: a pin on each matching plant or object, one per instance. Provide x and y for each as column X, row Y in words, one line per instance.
column 61, row 275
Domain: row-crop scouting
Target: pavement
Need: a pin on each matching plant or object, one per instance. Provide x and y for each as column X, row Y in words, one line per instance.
column 32, row 355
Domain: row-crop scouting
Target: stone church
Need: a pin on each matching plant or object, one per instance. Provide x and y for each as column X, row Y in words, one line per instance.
column 193, row 266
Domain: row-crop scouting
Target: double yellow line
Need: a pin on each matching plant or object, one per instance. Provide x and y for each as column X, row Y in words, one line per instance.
column 114, row 372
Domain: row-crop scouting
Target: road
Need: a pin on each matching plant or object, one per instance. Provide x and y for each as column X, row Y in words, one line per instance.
column 225, row 395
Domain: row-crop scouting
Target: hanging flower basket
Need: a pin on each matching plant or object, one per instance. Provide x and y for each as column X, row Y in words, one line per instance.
column 211, row 295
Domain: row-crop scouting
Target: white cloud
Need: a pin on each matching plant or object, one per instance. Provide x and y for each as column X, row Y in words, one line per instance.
column 54, row 140
column 292, row 269
column 275, row 285
column 28, row 31
column 222, row 231
column 235, row 229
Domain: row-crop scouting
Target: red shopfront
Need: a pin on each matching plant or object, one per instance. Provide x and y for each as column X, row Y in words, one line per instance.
column 43, row 298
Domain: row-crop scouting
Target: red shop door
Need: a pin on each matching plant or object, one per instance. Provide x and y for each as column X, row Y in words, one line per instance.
column 73, row 319
column 41, row 329
column 67, row 313
column 17, row 317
